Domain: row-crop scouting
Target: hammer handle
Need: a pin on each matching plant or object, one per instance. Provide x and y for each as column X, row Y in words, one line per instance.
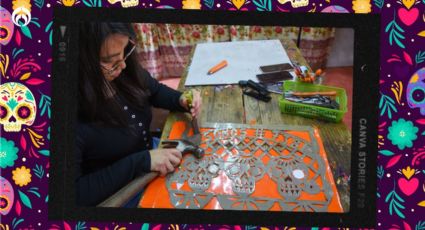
column 122, row 196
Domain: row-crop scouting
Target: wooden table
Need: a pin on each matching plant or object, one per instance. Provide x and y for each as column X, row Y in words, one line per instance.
column 229, row 105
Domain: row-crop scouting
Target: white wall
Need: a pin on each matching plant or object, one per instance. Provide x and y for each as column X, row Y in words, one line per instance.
column 341, row 53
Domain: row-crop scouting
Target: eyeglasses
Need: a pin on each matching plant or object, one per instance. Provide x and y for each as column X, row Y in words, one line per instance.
column 109, row 71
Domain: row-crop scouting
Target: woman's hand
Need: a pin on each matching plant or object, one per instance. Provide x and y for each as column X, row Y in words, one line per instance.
column 164, row 160
column 192, row 101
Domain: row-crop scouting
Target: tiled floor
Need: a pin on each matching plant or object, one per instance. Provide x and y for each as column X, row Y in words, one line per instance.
column 339, row 77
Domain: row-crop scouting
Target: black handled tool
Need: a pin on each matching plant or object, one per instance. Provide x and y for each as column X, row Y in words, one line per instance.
column 255, row 90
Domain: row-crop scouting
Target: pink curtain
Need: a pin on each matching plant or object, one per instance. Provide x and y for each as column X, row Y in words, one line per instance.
column 239, row 33
column 315, row 44
column 165, row 49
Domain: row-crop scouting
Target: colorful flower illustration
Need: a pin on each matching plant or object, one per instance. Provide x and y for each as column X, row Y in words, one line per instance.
column 191, row 4
column 68, row 2
column 238, row 3
column 402, row 133
column 362, row 6
column 21, row 10
column 21, row 3
column 21, row 176
column 408, row 172
column 8, row 153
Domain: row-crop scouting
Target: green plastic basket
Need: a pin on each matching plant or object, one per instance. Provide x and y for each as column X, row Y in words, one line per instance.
column 311, row 111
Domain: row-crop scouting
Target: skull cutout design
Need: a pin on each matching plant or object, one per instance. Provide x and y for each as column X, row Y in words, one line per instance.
column 6, row 26
column 416, row 91
column 203, row 171
column 291, row 176
column 17, row 106
column 294, row 180
column 200, row 180
column 242, row 182
column 6, row 196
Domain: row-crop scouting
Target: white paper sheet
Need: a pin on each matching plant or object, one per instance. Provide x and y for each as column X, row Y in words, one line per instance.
column 244, row 59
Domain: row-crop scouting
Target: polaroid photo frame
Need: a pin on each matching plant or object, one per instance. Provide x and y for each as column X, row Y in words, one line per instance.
column 362, row 211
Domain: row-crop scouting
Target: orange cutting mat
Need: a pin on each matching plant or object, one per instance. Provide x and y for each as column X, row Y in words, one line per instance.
column 157, row 195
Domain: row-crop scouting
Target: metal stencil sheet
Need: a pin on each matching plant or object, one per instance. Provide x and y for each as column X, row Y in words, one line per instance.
column 277, row 168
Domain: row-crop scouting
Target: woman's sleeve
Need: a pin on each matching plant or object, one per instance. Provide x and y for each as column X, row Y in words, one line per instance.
column 93, row 188
column 163, row 96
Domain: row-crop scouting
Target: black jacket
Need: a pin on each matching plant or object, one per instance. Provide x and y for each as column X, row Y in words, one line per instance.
column 107, row 158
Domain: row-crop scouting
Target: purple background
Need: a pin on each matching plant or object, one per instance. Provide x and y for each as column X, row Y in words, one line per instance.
column 401, row 193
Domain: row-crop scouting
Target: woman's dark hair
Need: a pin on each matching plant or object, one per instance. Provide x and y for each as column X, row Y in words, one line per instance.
column 95, row 101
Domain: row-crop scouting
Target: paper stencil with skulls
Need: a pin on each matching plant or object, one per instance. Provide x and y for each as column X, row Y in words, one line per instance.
column 250, row 168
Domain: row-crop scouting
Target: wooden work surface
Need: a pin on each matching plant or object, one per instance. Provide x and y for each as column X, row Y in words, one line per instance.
column 227, row 104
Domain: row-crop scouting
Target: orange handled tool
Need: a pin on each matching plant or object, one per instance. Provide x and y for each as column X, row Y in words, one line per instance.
column 217, row 67
column 306, row 94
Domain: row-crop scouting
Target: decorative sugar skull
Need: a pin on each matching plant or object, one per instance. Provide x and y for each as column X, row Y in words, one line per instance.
column 416, row 91
column 6, row 26
column 17, row 106
column 6, row 196
column 335, row 9
column 125, row 3
column 295, row 3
